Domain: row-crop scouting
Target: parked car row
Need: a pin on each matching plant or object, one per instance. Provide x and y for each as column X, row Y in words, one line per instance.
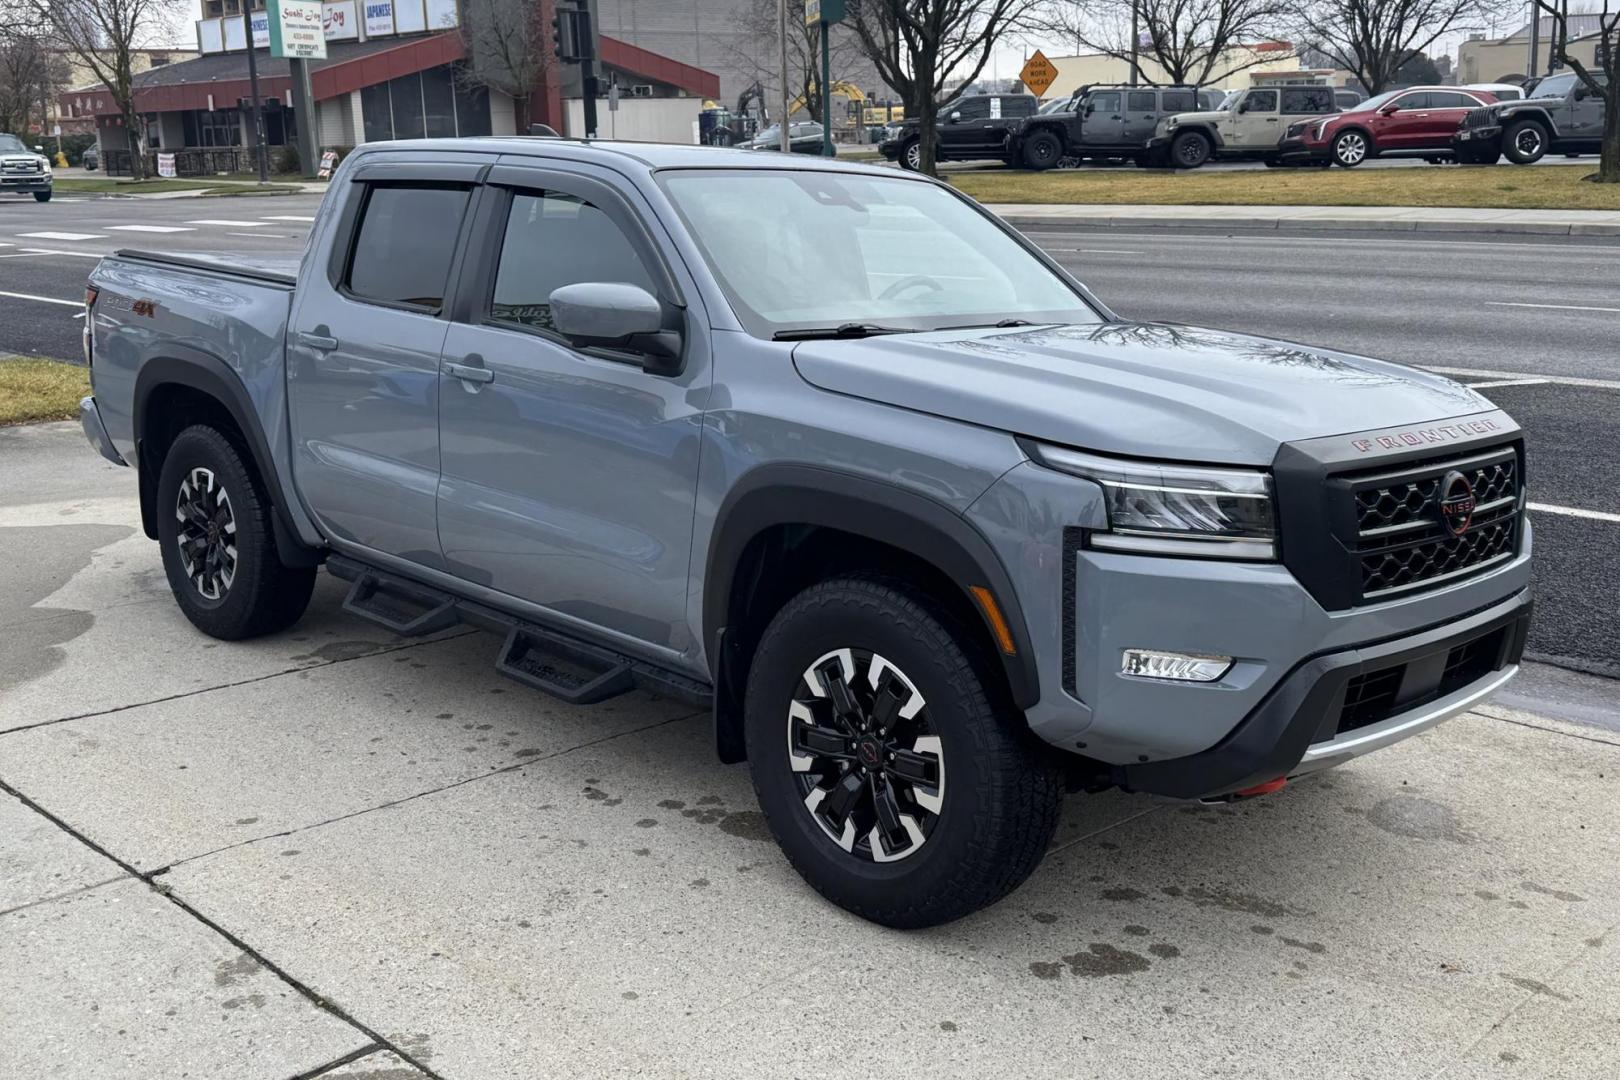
column 1288, row 125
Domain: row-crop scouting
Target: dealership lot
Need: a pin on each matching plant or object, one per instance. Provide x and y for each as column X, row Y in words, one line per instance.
column 331, row 852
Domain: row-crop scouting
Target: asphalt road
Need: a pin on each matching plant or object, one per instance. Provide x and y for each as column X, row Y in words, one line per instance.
column 1488, row 309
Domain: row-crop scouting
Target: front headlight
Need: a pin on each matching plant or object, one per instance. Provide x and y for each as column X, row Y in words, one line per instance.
column 1321, row 126
column 1163, row 509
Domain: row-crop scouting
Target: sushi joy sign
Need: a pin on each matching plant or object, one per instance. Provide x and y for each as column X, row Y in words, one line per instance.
column 295, row 29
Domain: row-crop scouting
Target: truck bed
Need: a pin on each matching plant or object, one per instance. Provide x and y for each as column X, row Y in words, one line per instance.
column 270, row 269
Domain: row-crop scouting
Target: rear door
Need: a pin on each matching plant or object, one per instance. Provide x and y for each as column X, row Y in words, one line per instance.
column 1141, row 117
column 569, row 474
column 1446, row 111
column 1103, row 118
column 363, row 355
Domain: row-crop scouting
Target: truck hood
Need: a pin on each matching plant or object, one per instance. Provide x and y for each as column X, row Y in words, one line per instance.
column 1136, row 389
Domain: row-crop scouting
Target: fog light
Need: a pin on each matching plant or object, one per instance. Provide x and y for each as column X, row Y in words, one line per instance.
column 1181, row 667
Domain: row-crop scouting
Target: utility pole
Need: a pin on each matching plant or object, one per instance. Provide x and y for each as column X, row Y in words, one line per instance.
column 784, row 143
column 1136, row 39
column 304, row 112
column 258, row 104
column 1534, row 64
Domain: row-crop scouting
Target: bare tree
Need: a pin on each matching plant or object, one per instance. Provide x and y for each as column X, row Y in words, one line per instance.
column 755, row 51
column 30, row 74
column 1601, row 80
column 918, row 45
column 1373, row 38
column 104, row 35
column 1194, row 42
column 508, row 50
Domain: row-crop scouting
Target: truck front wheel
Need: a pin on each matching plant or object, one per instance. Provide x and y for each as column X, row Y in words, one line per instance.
column 911, row 155
column 1043, row 150
column 42, row 196
column 889, row 770
column 1525, row 143
column 219, row 544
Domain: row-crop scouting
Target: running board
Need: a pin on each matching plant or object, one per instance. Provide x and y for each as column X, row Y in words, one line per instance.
column 572, row 671
column 401, row 606
column 564, row 665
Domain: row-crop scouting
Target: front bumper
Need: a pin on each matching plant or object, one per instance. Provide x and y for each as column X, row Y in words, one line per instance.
column 1338, row 706
column 96, row 431
column 25, row 182
column 1297, row 149
column 1476, row 138
column 890, row 148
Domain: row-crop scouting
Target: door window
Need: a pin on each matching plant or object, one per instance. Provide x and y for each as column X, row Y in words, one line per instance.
column 1410, row 102
column 1261, row 101
column 1106, row 101
column 403, row 244
column 1018, row 105
column 1178, row 101
column 974, row 108
column 554, row 239
column 1439, row 99
column 1140, row 101
column 1308, row 100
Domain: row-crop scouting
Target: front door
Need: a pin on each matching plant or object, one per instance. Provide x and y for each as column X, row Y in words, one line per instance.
column 1585, row 113
column 363, row 357
column 569, row 475
column 1405, row 127
column 963, row 130
column 1256, row 126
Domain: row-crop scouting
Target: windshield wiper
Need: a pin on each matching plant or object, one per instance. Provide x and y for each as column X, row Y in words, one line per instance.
column 1004, row 324
column 842, row 330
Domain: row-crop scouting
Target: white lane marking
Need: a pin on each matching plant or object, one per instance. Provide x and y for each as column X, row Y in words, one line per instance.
column 1506, row 382
column 150, row 228
column 63, row 236
column 1551, row 307
column 78, row 315
column 1560, row 380
column 53, row 251
column 288, row 217
column 272, row 235
column 43, row 299
column 226, row 221
column 1097, row 251
column 1395, row 238
column 1570, row 511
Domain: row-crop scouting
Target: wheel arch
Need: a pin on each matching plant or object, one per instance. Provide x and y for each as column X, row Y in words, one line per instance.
column 207, row 388
column 1360, row 129
column 778, row 503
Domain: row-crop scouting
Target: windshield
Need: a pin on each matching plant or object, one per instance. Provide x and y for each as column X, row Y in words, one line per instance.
column 804, row 249
column 10, row 144
column 1375, row 103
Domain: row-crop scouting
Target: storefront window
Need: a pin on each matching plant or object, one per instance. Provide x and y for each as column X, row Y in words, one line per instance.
column 433, row 103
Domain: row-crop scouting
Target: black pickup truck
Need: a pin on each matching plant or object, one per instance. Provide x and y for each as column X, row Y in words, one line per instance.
column 971, row 128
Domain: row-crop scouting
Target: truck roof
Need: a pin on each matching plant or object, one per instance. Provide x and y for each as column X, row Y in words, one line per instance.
column 648, row 155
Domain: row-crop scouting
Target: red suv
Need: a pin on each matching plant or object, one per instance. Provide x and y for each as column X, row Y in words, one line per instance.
column 1419, row 120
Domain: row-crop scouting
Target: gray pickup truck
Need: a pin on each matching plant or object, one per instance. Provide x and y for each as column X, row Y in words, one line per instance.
column 833, row 450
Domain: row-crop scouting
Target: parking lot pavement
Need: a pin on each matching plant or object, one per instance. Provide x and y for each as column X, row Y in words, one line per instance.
column 333, row 853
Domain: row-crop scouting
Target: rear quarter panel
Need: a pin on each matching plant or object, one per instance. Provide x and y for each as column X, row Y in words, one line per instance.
column 147, row 311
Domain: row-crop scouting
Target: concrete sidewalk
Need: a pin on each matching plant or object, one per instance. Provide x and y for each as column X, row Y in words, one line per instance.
column 332, row 853
column 1378, row 218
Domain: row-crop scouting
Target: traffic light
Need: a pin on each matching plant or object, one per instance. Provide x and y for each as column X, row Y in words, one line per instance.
column 565, row 33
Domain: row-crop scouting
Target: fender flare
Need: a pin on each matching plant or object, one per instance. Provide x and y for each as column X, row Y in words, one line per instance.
column 785, row 494
column 175, row 364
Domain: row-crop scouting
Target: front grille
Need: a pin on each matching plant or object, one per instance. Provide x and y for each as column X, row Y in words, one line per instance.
column 1403, row 543
column 1478, row 118
column 1374, row 696
column 21, row 167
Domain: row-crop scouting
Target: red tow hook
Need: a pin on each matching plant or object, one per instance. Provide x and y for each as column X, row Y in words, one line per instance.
column 1261, row 789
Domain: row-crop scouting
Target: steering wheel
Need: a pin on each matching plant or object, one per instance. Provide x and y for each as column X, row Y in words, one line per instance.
column 911, row 282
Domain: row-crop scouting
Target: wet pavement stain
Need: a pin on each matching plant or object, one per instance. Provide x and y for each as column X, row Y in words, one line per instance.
column 1124, row 895
column 1101, row 960
column 946, row 1025
column 1309, row 946
column 55, row 554
column 228, row 972
column 1556, row 894
column 1418, row 818
column 1535, row 986
column 748, row 824
column 1136, row 931
column 1247, row 903
column 1163, row 951
column 1044, row 917
column 1043, row 969
column 334, row 651
column 255, row 1000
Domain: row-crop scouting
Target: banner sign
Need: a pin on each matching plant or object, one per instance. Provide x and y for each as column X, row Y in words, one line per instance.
column 296, row 30
column 379, row 17
column 165, row 164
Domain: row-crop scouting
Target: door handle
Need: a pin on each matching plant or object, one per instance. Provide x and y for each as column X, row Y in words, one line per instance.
column 473, row 373
column 319, row 341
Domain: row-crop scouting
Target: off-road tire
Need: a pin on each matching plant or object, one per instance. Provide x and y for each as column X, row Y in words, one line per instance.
column 263, row 596
column 1190, row 149
column 42, row 196
column 1525, row 142
column 1043, row 150
column 1002, row 789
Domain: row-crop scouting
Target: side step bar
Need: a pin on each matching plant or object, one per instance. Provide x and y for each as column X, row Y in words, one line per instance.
column 563, row 665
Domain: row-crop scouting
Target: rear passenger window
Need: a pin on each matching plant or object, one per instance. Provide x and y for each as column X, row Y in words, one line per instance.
column 1439, row 99
column 552, row 240
column 1179, row 101
column 1308, row 100
column 404, row 242
column 1018, row 105
column 1140, row 101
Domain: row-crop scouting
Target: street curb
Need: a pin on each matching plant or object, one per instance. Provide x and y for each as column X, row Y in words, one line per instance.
column 1334, row 224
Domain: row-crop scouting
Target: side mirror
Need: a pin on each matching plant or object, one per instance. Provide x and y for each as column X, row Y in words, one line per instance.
column 39, row 149
column 611, row 315
column 1582, row 92
column 1243, row 106
column 955, row 117
column 1389, row 110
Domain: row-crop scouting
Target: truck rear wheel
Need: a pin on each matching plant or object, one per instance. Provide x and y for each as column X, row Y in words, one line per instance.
column 1043, row 150
column 1525, row 143
column 219, row 544
column 891, row 776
